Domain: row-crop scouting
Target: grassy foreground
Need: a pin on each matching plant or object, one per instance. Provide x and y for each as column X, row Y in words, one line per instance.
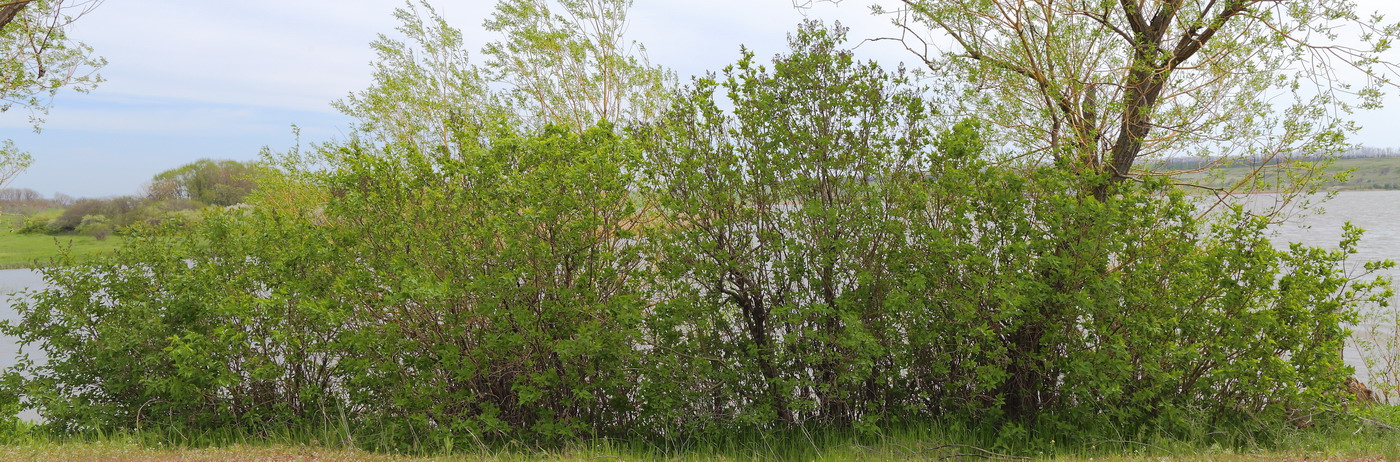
column 23, row 250
column 1345, row 441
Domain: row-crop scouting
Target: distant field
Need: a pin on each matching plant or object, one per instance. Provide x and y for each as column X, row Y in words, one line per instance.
column 23, row 250
column 1367, row 174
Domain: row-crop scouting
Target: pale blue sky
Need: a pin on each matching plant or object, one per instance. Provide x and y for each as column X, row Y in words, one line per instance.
column 200, row 79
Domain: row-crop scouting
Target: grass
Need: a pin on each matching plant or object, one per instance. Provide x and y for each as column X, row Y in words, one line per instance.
column 1367, row 174
column 25, row 250
column 1343, row 441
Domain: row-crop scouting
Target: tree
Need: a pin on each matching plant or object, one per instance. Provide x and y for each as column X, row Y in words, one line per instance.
column 37, row 59
column 12, row 161
column 213, row 182
column 1098, row 86
column 572, row 69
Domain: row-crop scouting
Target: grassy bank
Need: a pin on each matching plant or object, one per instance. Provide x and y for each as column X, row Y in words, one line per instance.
column 23, row 250
column 1366, row 174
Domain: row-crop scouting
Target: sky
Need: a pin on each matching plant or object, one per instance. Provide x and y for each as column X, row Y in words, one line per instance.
column 188, row 80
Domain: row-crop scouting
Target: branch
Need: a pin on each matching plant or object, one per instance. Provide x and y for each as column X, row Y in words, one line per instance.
column 8, row 11
column 1191, row 42
column 1134, row 16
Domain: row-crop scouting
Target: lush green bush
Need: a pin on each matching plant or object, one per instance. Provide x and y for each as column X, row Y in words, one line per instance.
column 805, row 243
column 830, row 261
column 200, row 327
column 502, row 282
column 97, row 226
column 784, row 215
column 38, row 222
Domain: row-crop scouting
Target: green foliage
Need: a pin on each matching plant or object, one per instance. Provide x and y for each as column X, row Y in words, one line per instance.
column 37, row 59
column 424, row 86
column 27, row 250
column 206, row 181
column 832, row 262
column 570, row 64
column 265, row 318
column 1103, row 86
column 794, row 245
column 501, row 282
column 180, row 329
column 785, row 216
column 97, row 226
column 39, row 221
column 12, row 161
column 565, row 62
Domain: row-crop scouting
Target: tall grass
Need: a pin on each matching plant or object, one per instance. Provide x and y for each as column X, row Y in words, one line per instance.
column 1340, row 438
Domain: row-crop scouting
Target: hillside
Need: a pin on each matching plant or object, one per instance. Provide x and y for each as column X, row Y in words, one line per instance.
column 1366, row 174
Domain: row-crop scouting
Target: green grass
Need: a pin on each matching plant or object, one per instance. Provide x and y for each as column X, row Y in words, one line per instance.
column 25, row 250
column 1344, row 440
column 1367, row 174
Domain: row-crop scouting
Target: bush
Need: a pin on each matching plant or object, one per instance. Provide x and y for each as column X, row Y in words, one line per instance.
column 801, row 245
column 39, row 222
column 257, row 317
column 96, row 226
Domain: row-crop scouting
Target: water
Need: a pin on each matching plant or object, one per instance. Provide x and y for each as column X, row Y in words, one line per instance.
column 11, row 281
column 1377, row 212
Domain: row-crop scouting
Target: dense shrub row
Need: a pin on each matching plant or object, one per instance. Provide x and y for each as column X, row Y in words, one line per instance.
column 795, row 244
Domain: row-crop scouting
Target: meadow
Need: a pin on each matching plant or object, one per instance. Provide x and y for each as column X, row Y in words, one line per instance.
column 1364, row 174
column 25, row 250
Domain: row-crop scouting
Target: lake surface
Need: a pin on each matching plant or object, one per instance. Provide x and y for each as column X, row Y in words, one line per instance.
column 11, row 281
column 1378, row 212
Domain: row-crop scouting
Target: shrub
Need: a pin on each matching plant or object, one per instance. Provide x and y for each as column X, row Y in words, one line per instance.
column 501, row 282
column 39, row 222
column 800, row 245
column 96, row 226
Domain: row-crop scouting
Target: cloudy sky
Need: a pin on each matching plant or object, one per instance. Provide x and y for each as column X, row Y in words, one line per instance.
column 196, row 79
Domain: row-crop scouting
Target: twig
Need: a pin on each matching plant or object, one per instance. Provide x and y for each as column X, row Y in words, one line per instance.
column 1382, row 425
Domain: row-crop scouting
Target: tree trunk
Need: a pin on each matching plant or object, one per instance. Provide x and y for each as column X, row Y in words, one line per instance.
column 9, row 10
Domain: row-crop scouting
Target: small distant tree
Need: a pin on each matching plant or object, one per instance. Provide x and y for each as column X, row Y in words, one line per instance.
column 213, row 182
